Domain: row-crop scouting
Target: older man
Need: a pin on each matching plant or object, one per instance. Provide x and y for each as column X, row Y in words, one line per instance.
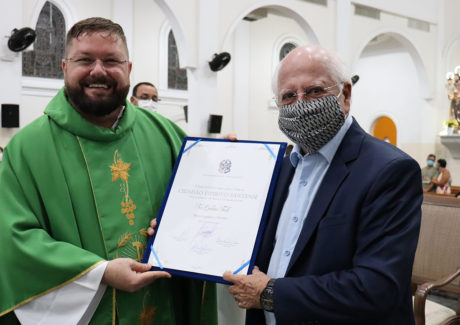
column 343, row 228
column 79, row 187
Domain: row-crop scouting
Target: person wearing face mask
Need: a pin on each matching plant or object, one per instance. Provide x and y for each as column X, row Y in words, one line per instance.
column 340, row 238
column 145, row 95
column 428, row 172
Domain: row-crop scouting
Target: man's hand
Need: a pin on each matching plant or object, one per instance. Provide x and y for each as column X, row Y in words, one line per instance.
column 151, row 229
column 230, row 136
column 246, row 289
column 128, row 275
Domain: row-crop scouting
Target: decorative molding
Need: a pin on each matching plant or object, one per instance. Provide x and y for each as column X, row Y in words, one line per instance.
column 452, row 143
column 40, row 86
column 173, row 97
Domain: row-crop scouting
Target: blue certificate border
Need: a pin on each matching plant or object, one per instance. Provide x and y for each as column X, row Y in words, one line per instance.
column 271, row 190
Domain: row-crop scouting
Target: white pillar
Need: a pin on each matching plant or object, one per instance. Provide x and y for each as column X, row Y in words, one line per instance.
column 241, row 80
column 343, row 14
column 202, row 82
column 122, row 14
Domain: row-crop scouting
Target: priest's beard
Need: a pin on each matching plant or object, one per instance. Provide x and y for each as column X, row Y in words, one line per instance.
column 98, row 106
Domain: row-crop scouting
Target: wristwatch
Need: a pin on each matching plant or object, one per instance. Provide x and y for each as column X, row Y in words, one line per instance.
column 266, row 297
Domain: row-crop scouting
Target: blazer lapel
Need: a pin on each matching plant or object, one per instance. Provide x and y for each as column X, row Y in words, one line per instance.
column 337, row 172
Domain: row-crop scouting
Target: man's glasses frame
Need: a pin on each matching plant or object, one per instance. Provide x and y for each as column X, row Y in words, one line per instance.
column 289, row 96
column 88, row 62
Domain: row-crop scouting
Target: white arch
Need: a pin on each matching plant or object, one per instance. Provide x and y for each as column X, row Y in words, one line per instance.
column 280, row 6
column 66, row 9
column 404, row 39
column 447, row 50
column 163, row 54
column 185, row 59
column 279, row 44
column 36, row 86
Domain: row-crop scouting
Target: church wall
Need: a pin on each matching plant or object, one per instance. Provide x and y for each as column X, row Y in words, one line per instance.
column 10, row 65
column 437, row 50
column 263, row 115
column 450, row 58
column 450, row 21
column 148, row 19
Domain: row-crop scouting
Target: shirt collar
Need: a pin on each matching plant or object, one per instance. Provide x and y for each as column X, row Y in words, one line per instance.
column 328, row 150
column 120, row 115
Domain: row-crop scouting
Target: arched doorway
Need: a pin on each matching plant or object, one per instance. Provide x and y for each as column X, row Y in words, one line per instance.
column 256, row 46
column 385, row 129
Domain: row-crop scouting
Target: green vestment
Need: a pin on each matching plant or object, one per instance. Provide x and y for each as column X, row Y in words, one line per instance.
column 72, row 195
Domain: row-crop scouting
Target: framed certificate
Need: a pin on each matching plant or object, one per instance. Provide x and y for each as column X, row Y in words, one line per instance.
column 214, row 210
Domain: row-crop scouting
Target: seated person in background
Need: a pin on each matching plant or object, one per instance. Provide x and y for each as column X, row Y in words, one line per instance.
column 443, row 180
column 428, row 172
column 145, row 95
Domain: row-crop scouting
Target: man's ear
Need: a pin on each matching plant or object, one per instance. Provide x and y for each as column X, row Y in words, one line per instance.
column 133, row 100
column 63, row 65
column 346, row 91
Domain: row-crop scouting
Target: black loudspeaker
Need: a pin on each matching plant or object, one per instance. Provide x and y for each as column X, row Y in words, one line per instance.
column 185, row 113
column 10, row 115
column 215, row 123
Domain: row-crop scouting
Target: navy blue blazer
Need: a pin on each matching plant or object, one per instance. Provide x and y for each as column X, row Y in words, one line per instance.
column 352, row 263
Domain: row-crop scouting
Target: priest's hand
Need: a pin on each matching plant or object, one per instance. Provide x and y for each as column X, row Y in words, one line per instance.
column 129, row 275
column 151, row 229
column 246, row 289
column 230, row 136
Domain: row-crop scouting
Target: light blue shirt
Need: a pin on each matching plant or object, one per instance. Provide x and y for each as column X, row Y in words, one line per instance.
column 309, row 173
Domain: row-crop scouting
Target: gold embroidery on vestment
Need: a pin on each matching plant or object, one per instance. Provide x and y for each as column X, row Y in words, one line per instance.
column 132, row 245
column 140, row 249
column 146, row 317
column 120, row 171
column 124, row 239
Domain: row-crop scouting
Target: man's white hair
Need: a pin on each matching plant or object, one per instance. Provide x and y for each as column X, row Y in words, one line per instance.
column 336, row 68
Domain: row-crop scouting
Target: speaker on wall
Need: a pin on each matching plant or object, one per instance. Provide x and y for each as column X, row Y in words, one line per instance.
column 185, row 113
column 214, row 123
column 10, row 115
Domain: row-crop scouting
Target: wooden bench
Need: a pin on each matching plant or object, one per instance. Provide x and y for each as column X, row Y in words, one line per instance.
column 454, row 189
column 437, row 259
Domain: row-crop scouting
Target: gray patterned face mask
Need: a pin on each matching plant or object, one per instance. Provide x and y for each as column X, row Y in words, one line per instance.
column 312, row 124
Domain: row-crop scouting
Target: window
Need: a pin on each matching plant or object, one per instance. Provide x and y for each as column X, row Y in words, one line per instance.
column 418, row 24
column 367, row 12
column 318, row 2
column 286, row 48
column 45, row 59
column 177, row 77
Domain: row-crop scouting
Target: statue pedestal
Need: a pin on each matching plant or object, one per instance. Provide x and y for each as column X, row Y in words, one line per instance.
column 452, row 142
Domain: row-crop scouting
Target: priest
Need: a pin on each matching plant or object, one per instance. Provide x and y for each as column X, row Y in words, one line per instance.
column 79, row 187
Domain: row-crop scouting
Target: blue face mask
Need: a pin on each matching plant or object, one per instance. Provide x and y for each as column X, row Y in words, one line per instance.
column 430, row 162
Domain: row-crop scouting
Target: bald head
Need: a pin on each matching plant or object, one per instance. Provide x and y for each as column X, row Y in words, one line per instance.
column 314, row 55
column 313, row 66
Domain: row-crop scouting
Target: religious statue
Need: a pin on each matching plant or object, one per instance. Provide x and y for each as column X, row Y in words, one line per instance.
column 453, row 93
